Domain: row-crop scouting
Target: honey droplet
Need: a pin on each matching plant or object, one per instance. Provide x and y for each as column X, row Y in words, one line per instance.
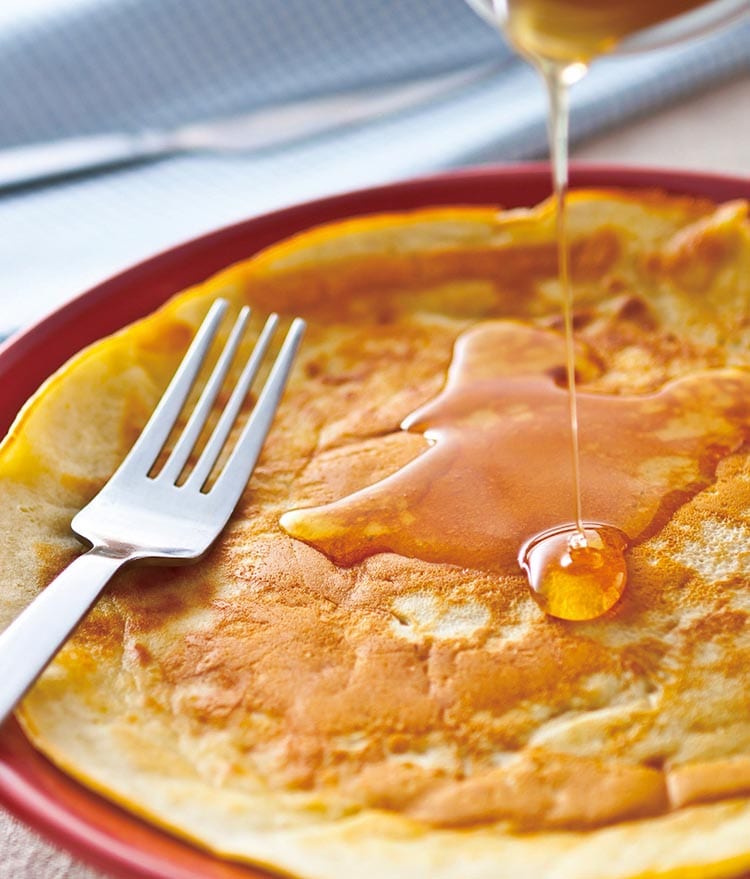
column 574, row 574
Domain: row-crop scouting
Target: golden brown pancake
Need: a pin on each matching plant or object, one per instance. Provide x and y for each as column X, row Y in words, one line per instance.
column 403, row 709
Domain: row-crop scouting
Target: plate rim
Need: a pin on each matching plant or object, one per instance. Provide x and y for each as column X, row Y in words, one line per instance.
column 28, row 780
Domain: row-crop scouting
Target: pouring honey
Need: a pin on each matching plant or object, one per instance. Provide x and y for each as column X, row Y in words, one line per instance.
column 561, row 38
column 504, row 433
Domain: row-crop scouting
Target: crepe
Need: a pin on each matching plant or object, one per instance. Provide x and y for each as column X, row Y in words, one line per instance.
column 391, row 714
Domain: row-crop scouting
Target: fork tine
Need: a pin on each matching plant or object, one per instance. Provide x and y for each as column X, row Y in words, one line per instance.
column 148, row 445
column 185, row 444
column 241, row 462
column 218, row 438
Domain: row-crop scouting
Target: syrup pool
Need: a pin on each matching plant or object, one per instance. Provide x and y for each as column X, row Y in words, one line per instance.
column 494, row 474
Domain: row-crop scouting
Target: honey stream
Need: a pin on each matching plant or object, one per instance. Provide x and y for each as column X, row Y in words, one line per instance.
column 576, row 571
column 560, row 37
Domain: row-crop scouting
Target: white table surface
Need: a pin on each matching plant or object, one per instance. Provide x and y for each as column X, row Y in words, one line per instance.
column 710, row 132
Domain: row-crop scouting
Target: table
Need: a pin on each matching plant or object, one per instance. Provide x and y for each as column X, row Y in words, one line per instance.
column 709, row 132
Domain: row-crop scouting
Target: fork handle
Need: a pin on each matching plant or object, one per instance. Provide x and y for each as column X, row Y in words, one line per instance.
column 34, row 637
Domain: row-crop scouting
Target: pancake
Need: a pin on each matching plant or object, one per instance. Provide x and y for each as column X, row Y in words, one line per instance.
column 399, row 709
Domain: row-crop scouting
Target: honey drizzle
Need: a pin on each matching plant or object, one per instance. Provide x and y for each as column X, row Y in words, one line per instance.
column 584, row 571
column 558, row 79
column 561, row 48
column 575, row 571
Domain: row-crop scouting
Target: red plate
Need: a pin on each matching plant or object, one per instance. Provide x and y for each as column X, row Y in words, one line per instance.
column 56, row 806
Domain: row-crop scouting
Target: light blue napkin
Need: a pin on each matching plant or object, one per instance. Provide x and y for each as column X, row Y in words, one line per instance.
column 107, row 65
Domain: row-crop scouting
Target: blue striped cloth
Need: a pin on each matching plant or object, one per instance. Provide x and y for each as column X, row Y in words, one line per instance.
column 108, row 65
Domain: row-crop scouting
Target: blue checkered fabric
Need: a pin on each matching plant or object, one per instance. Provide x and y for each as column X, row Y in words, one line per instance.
column 109, row 65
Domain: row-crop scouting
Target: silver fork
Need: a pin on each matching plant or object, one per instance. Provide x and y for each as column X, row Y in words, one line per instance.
column 138, row 516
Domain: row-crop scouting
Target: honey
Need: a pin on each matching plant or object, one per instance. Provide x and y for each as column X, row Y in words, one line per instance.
column 561, row 37
column 509, row 465
column 576, row 573
column 495, row 472
column 569, row 31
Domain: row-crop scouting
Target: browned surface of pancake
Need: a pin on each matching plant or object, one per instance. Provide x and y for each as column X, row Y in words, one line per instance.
column 291, row 694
